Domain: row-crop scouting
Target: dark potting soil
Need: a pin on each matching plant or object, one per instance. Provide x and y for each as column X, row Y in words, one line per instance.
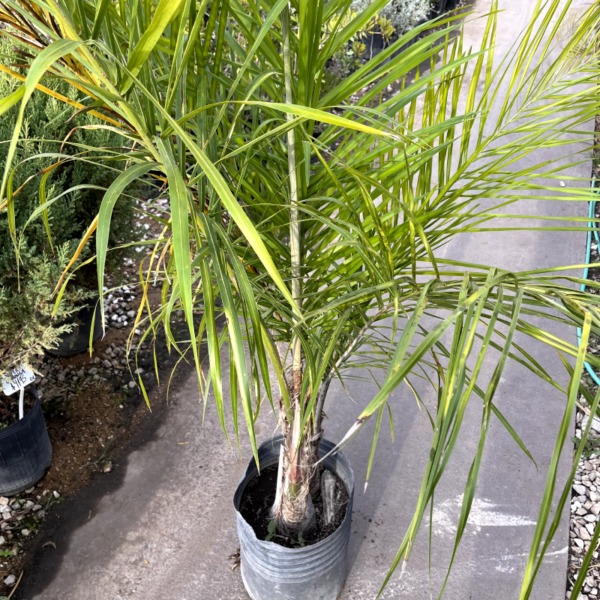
column 9, row 408
column 258, row 498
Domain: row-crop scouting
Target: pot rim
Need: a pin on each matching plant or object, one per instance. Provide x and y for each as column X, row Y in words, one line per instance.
column 13, row 427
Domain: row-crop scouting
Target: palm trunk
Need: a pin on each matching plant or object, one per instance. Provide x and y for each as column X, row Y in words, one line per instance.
column 293, row 507
column 295, row 511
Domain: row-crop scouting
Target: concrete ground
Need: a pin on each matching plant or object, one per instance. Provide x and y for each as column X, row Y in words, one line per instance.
column 164, row 529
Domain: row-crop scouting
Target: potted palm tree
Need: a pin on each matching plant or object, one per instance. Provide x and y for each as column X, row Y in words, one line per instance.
column 316, row 219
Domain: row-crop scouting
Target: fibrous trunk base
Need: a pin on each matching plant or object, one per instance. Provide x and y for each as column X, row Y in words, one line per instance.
column 293, row 510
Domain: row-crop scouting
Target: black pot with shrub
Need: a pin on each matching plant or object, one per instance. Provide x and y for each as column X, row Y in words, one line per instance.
column 27, row 329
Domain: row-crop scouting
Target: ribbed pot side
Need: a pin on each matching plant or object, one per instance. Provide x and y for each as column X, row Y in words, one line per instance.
column 25, row 451
column 316, row 572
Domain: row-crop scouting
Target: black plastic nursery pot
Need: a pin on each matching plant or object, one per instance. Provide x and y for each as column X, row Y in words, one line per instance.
column 78, row 340
column 446, row 5
column 25, row 451
column 316, row 572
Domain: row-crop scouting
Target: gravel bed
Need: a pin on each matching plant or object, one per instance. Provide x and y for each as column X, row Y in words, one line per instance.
column 55, row 380
column 111, row 365
column 585, row 508
column 20, row 517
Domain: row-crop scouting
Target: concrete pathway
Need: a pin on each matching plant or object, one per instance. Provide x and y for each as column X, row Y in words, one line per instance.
column 166, row 531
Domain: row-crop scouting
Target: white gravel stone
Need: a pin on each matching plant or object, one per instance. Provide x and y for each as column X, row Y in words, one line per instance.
column 584, row 535
column 595, row 423
column 10, row 580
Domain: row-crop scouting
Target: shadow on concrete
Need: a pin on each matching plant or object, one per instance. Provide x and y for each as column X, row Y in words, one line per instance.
column 76, row 511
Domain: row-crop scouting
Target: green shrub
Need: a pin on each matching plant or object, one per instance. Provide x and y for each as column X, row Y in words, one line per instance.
column 26, row 324
column 26, row 305
column 46, row 125
column 404, row 14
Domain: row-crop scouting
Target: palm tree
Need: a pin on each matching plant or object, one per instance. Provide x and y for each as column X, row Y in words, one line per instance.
column 315, row 214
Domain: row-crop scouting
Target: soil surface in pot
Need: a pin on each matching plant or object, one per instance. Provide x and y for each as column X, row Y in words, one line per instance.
column 9, row 408
column 258, row 498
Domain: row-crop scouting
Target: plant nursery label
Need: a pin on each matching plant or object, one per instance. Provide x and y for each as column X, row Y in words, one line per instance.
column 17, row 379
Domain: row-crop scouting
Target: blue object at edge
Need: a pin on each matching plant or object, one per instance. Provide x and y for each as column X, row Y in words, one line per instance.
column 591, row 215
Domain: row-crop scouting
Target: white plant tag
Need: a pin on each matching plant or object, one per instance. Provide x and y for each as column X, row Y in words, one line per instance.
column 17, row 379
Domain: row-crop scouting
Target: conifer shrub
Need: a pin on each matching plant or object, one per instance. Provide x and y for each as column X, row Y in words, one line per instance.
column 27, row 282
column 403, row 14
column 29, row 322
